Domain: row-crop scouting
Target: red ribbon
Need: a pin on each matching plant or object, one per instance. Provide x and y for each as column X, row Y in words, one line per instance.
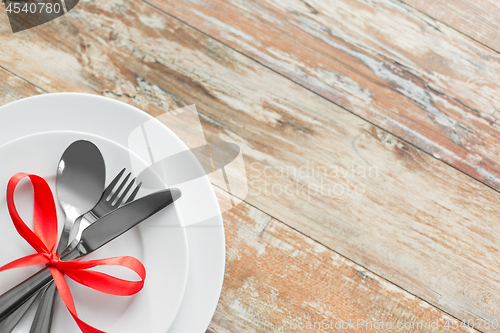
column 43, row 239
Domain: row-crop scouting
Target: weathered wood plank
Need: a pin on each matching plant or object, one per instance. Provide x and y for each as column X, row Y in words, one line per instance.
column 247, row 230
column 477, row 19
column 277, row 279
column 413, row 220
column 13, row 88
column 381, row 59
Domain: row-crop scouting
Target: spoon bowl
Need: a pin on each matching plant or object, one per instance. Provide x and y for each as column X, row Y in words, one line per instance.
column 80, row 182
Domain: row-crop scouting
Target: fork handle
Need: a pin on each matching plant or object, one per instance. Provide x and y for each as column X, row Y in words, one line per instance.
column 8, row 324
column 43, row 317
column 15, row 297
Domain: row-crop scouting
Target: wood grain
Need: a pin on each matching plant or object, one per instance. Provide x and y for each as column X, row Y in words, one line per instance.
column 381, row 59
column 14, row 88
column 476, row 19
column 343, row 292
column 354, row 188
column 277, row 278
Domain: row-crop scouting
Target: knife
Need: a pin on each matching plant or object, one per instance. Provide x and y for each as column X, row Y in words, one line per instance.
column 93, row 237
column 8, row 323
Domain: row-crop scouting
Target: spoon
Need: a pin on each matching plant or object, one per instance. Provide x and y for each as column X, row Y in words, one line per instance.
column 80, row 182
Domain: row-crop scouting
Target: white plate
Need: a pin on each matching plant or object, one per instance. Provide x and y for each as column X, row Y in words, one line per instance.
column 160, row 243
column 116, row 121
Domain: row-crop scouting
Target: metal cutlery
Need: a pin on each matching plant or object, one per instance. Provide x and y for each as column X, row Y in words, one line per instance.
column 80, row 181
column 93, row 237
column 110, row 199
column 8, row 324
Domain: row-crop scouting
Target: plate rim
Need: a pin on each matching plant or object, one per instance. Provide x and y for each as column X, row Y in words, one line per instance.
column 90, row 136
column 219, row 250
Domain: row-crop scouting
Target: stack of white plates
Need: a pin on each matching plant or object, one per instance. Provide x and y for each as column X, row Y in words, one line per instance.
column 182, row 247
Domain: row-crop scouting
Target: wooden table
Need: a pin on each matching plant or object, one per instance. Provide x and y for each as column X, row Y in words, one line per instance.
column 370, row 136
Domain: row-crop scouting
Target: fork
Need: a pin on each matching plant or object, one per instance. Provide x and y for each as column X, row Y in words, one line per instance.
column 110, row 200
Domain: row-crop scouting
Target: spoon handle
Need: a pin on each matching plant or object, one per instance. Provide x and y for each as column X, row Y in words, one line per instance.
column 43, row 317
column 17, row 296
column 8, row 324
column 42, row 322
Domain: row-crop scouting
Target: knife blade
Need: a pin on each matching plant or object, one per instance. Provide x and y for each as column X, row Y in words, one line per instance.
column 101, row 232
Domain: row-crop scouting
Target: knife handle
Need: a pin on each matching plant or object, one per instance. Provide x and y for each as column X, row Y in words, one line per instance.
column 8, row 324
column 15, row 297
column 43, row 317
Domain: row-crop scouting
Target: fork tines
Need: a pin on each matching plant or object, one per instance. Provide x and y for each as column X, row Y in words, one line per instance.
column 115, row 196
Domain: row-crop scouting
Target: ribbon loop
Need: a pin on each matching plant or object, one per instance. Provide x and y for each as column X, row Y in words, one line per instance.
column 43, row 239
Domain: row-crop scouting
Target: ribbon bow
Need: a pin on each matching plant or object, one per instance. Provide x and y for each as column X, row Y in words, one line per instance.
column 43, row 239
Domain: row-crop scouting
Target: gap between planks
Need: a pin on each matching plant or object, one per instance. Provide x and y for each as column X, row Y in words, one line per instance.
column 270, row 218
column 417, row 6
column 137, row 68
column 388, row 130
